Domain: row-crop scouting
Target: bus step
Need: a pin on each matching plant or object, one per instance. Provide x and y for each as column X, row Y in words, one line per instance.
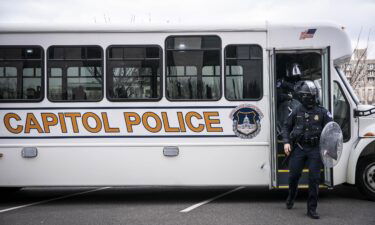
column 301, row 186
column 281, row 164
column 287, row 170
column 283, row 178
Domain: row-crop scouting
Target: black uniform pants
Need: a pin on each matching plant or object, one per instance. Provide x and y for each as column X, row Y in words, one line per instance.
column 310, row 156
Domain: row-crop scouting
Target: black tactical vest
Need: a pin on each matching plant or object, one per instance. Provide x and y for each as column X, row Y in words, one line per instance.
column 308, row 125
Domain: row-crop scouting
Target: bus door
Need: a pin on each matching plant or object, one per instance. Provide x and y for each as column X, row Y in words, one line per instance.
column 314, row 65
column 344, row 104
column 325, row 92
column 273, row 142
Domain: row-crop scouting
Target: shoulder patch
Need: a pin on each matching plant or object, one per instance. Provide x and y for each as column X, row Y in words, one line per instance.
column 329, row 114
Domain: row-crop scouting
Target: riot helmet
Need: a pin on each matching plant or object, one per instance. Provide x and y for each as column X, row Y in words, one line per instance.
column 293, row 71
column 307, row 92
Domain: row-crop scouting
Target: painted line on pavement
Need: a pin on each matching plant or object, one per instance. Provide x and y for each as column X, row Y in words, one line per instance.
column 52, row 199
column 188, row 209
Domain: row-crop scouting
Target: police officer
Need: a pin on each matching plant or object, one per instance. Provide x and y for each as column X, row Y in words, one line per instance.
column 285, row 85
column 301, row 133
column 286, row 100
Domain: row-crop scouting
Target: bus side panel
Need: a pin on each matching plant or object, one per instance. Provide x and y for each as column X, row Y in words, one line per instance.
column 75, row 166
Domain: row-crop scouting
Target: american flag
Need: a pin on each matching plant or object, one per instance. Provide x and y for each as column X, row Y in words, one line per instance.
column 307, row 34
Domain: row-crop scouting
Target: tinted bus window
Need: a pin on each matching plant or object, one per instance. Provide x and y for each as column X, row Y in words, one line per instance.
column 75, row 73
column 21, row 73
column 193, row 68
column 341, row 111
column 133, row 73
column 243, row 72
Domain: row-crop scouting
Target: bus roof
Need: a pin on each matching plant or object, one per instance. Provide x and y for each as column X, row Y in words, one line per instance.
column 135, row 28
column 279, row 35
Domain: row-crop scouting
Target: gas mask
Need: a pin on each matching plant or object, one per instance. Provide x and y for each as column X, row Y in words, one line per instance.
column 308, row 100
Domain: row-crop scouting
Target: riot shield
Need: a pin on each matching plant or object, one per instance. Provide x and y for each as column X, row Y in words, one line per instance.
column 331, row 144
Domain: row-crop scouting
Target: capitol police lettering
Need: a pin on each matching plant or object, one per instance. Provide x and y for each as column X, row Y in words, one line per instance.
column 244, row 122
column 76, row 122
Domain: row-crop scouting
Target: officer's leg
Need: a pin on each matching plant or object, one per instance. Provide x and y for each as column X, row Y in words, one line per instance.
column 296, row 164
column 314, row 165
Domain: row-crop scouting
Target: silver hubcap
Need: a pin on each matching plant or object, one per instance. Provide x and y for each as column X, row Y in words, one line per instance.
column 369, row 176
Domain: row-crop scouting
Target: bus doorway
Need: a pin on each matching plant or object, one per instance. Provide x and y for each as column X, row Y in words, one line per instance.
column 289, row 68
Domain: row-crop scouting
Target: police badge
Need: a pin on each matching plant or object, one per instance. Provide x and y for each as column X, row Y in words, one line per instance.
column 246, row 121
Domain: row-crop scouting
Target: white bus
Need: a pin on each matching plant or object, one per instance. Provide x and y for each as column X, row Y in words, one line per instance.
column 184, row 105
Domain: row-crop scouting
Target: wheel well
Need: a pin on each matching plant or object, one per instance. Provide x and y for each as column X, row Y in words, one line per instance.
column 368, row 151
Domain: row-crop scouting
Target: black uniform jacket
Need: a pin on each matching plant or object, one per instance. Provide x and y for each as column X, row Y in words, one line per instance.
column 303, row 123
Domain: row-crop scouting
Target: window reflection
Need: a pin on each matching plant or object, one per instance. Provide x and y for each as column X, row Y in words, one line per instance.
column 243, row 72
column 341, row 111
column 75, row 73
column 193, row 68
column 20, row 73
column 133, row 73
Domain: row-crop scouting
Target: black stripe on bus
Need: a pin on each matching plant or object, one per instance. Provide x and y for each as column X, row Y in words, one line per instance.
column 132, row 107
column 135, row 136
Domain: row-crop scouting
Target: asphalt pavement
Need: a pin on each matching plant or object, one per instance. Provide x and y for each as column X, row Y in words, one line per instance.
column 343, row 205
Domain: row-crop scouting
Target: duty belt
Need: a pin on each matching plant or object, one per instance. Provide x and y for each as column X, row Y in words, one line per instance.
column 310, row 141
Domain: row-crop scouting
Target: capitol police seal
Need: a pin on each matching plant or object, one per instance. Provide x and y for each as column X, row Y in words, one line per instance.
column 246, row 121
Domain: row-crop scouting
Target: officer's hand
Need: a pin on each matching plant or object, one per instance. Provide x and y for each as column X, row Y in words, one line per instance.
column 287, row 149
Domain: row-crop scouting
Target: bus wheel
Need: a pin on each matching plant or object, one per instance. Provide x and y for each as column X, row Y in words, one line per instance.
column 366, row 177
column 9, row 189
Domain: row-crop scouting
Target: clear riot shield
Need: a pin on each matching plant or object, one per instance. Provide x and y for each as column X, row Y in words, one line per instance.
column 331, row 144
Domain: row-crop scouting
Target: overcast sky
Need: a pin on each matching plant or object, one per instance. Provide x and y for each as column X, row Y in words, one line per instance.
column 353, row 14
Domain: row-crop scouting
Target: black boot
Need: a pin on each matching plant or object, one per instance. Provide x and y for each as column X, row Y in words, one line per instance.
column 313, row 214
column 289, row 202
column 292, row 194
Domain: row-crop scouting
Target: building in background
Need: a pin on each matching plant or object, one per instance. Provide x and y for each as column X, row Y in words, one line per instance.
column 361, row 75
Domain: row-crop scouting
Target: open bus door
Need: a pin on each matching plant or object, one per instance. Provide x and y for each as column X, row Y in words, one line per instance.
column 279, row 172
column 273, row 147
column 326, row 102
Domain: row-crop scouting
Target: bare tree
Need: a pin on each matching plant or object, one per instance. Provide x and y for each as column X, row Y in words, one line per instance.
column 356, row 70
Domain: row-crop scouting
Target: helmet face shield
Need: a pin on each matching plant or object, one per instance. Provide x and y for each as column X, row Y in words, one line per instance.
column 307, row 92
column 312, row 88
column 294, row 71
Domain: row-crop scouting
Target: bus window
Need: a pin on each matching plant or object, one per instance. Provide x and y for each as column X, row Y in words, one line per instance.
column 21, row 73
column 243, row 72
column 133, row 73
column 341, row 111
column 193, row 67
column 75, row 73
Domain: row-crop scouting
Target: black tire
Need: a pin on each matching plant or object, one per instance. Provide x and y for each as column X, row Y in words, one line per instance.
column 365, row 177
column 9, row 189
